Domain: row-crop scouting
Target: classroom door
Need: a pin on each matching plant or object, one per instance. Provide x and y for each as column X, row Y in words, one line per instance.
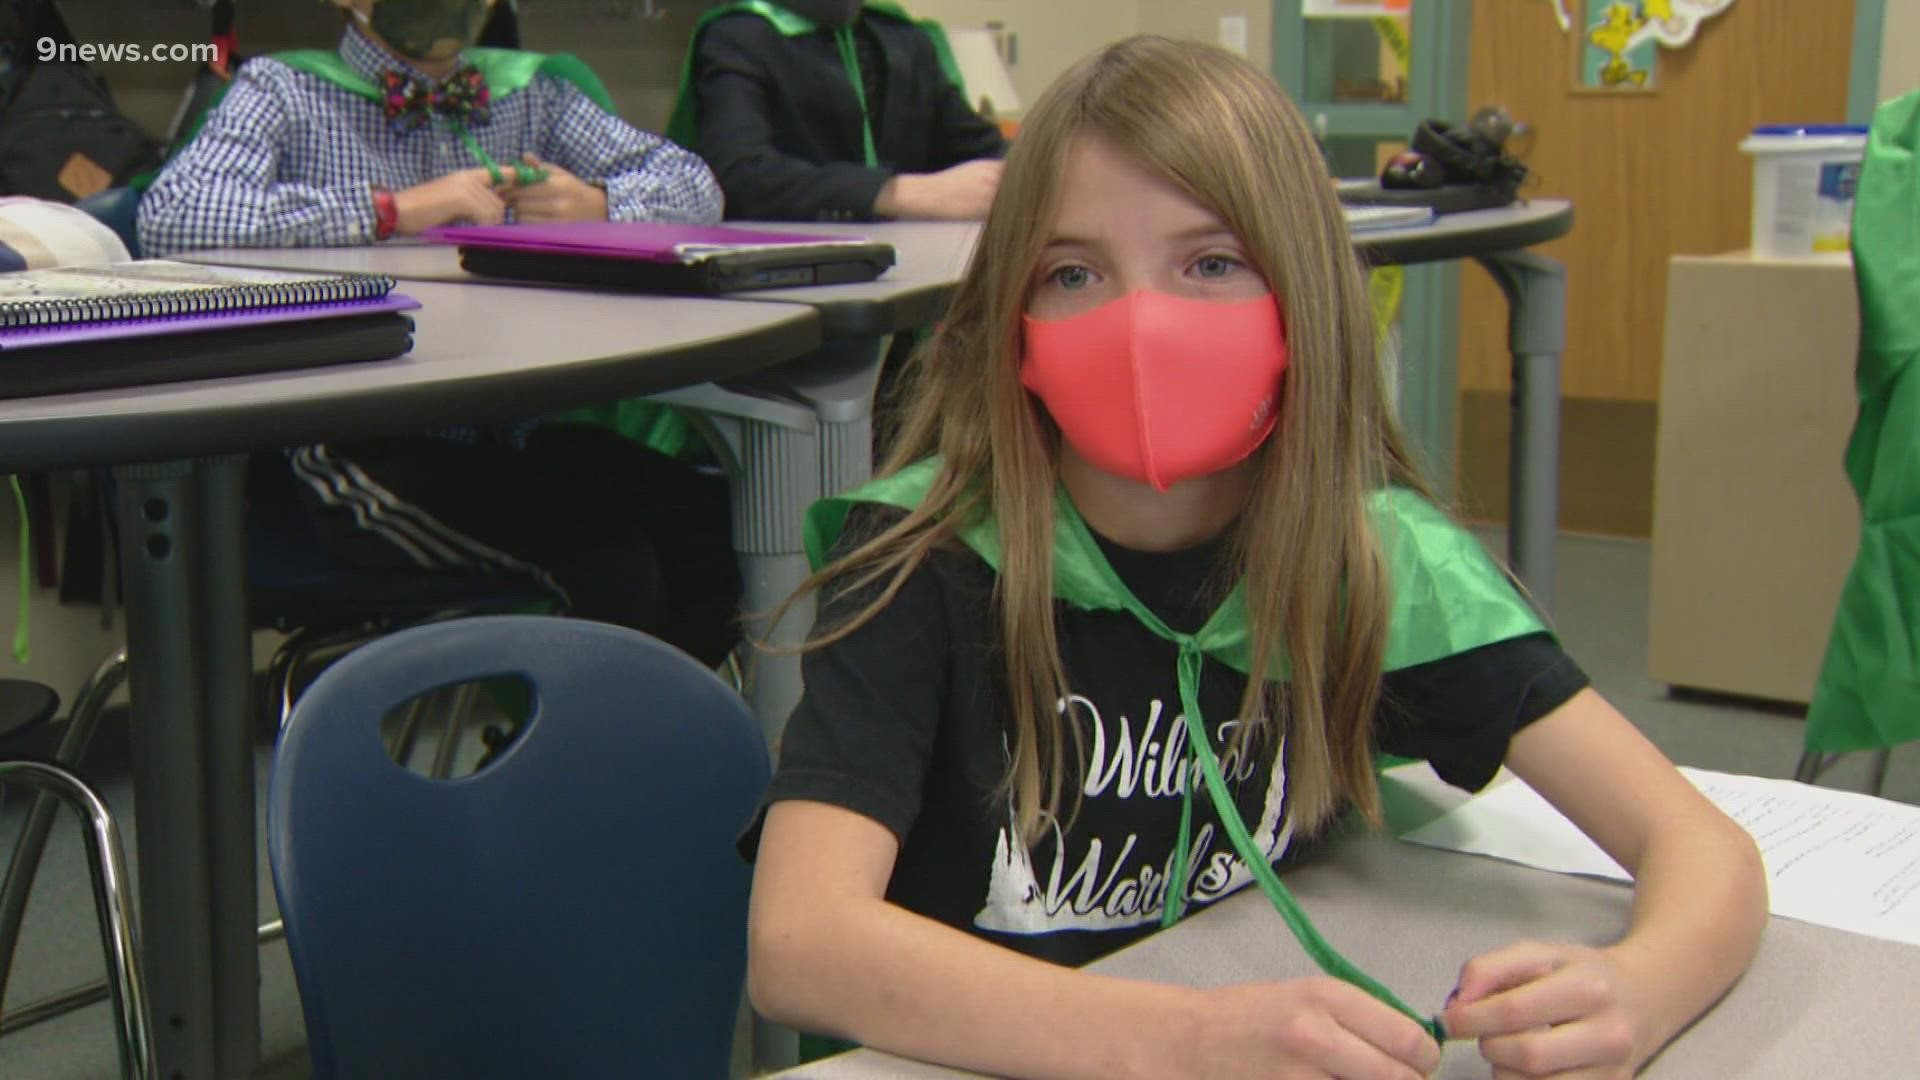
column 1653, row 172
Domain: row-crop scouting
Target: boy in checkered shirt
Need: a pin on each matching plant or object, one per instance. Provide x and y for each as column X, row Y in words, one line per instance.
column 306, row 148
column 405, row 127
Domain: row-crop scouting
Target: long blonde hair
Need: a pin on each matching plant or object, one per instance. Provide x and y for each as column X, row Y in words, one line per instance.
column 1316, row 587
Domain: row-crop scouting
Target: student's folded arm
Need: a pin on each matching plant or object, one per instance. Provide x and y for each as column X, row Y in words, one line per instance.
column 959, row 133
column 737, row 138
column 647, row 177
column 223, row 190
column 1700, row 892
column 830, row 955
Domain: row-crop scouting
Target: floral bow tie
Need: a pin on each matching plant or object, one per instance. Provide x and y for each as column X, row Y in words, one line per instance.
column 462, row 96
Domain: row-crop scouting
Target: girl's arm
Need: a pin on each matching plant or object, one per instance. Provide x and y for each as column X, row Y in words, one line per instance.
column 829, row 954
column 1700, row 902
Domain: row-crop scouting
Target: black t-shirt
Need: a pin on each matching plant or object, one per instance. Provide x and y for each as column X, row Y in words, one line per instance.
column 904, row 721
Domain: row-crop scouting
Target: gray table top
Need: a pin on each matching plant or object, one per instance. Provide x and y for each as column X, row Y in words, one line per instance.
column 1816, row 1002
column 1465, row 235
column 932, row 257
column 479, row 356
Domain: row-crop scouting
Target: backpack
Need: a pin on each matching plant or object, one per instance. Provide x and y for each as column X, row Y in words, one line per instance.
column 61, row 135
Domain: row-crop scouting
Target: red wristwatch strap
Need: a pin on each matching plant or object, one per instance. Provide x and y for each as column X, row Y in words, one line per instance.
column 386, row 214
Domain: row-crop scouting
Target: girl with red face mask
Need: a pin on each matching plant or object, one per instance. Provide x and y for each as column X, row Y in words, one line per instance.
column 1146, row 583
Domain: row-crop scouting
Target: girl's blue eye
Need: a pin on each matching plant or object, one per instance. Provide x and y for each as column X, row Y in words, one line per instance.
column 1215, row 266
column 1070, row 277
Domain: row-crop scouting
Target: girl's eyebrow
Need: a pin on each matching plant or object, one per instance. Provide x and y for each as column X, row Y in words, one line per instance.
column 1065, row 240
column 1207, row 232
column 1193, row 234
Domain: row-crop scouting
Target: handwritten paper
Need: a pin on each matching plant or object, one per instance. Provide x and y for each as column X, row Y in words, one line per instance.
column 1834, row 858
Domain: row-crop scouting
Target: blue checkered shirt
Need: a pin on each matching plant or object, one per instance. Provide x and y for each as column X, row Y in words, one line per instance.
column 291, row 160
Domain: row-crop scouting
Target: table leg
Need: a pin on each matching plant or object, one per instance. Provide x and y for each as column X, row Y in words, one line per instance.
column 838, row 383
column 1536, row 291
column 779, row 478
column 773, row 447
column 190, row 669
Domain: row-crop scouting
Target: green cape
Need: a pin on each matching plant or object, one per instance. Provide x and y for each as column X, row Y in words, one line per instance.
column 684, row 126
column 1868, row 692
column 1448, row 596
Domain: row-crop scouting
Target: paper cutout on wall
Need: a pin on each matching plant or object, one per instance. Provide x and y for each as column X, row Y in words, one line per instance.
column 1673, row 22
column 1620, row 39
column 1610, row 56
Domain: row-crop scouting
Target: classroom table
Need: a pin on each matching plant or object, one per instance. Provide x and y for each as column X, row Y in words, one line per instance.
column 1815, row 1002
column 830, row 451
column 178, row 455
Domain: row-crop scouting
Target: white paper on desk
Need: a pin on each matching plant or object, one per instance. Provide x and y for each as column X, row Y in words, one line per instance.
column 1834, row 858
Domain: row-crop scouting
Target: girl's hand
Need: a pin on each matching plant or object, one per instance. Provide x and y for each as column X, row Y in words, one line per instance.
column 562, row 196
column 1548, row 1010
column 1314, row 1028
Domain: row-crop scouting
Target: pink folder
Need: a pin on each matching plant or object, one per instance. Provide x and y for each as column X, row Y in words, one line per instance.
column 644, row 241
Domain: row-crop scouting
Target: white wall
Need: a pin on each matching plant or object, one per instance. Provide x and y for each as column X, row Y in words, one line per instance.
column 1051, row 35
column 1900, row 49
column 1048, row 36
column 1201, row 19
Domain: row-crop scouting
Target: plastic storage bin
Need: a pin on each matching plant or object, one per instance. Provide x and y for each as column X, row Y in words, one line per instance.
column 1803, row 181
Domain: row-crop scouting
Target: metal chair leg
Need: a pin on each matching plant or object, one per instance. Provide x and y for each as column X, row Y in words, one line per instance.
column 82, row 722
column 1813, row 764
column 733, row 671
column 459, row 701
column 295, row 653
column 1881, row 759
column 407, row 732
column 119, row 933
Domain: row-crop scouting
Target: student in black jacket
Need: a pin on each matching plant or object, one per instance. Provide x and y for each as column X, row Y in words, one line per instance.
column 784, row 107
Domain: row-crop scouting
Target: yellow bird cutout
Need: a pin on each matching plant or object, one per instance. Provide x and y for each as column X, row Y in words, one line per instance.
column 1615, row 37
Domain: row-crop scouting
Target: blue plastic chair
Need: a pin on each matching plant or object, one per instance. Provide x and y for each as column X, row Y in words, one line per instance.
column 576, row 908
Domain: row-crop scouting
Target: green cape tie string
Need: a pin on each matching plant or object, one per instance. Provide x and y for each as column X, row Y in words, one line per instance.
column 850, row 59
column 1200, row 748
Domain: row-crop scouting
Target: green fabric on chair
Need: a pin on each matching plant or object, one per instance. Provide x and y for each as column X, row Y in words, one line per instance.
column 815, row 1047
column 1867, row 696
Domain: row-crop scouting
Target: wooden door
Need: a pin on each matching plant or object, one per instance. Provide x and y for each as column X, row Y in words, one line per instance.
column 1652, row 174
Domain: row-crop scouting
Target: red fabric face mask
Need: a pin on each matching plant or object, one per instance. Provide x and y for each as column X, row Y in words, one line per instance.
column 1160, row 388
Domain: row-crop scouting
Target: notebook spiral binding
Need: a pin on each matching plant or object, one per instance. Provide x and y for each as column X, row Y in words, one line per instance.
column 67, row 311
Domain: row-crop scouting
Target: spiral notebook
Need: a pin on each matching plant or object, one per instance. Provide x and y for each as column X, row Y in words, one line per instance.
column 68, row 329
column 653, row 256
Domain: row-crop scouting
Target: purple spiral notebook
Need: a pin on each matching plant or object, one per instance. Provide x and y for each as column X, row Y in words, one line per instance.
column 665, row 257
column 16, row 339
